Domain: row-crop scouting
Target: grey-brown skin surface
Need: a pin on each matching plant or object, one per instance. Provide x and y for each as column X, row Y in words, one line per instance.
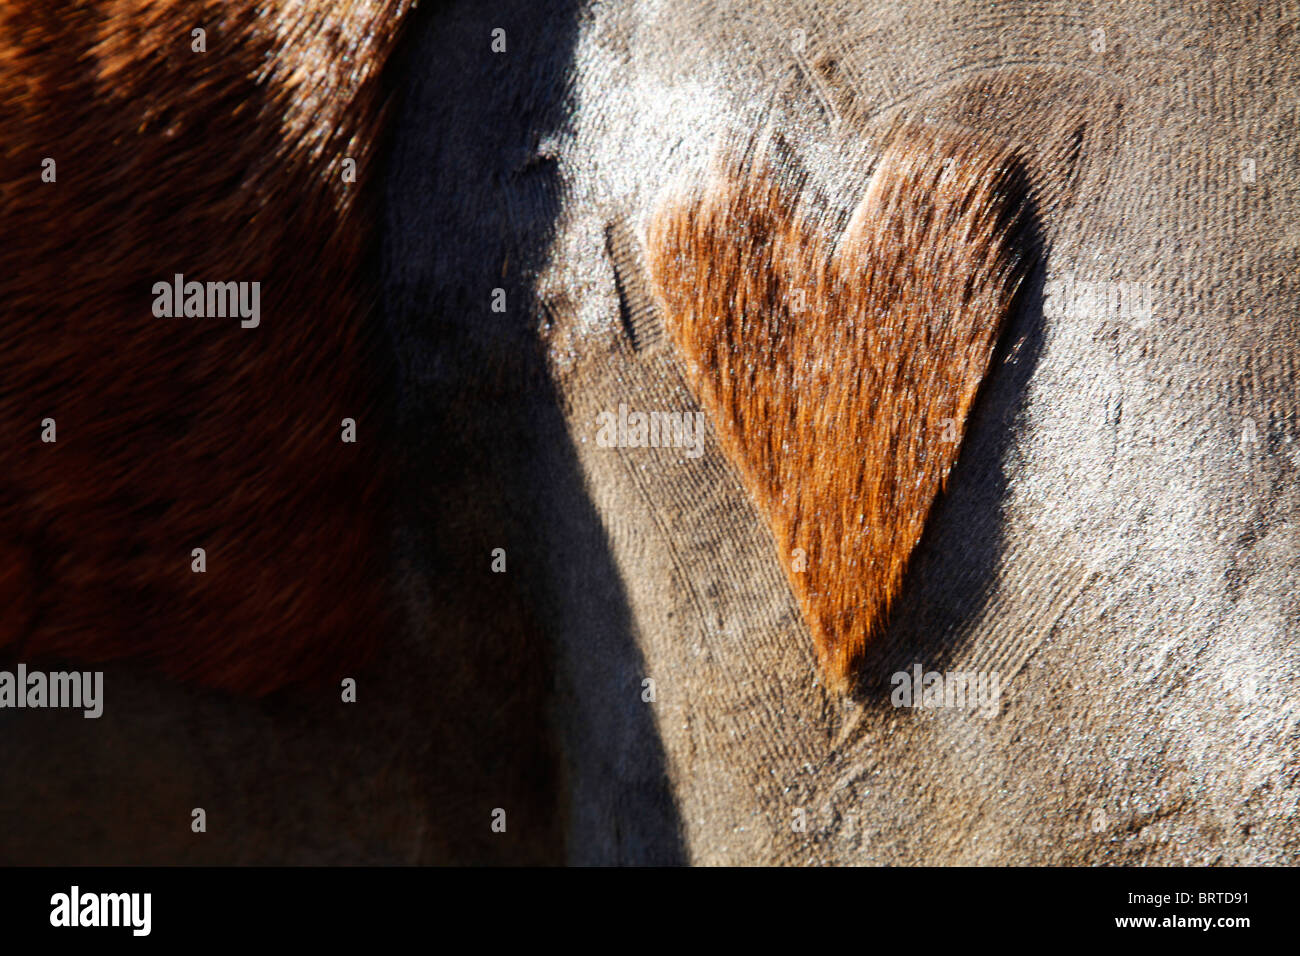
column 1114, row 545
column 1118, row 541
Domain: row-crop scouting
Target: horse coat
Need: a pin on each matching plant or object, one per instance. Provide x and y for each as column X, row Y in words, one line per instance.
column 1115, row 547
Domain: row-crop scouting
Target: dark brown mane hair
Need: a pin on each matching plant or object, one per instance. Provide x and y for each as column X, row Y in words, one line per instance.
column 183, row 433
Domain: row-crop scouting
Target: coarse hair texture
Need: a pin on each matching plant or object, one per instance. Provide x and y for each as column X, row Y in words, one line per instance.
column 225, row 165
column 839, row 366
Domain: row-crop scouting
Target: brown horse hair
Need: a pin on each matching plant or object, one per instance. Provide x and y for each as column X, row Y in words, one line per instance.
column 216, row 140
column 840, row 366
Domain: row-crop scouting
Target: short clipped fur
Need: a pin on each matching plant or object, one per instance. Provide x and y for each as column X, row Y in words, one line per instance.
column 183, row 433
column 840, row 369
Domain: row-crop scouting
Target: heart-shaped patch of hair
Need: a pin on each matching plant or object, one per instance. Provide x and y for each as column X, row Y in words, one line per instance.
column 839, row 370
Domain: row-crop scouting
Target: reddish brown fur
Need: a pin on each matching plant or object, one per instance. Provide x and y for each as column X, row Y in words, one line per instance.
column 182, row 433
column 835, row 414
